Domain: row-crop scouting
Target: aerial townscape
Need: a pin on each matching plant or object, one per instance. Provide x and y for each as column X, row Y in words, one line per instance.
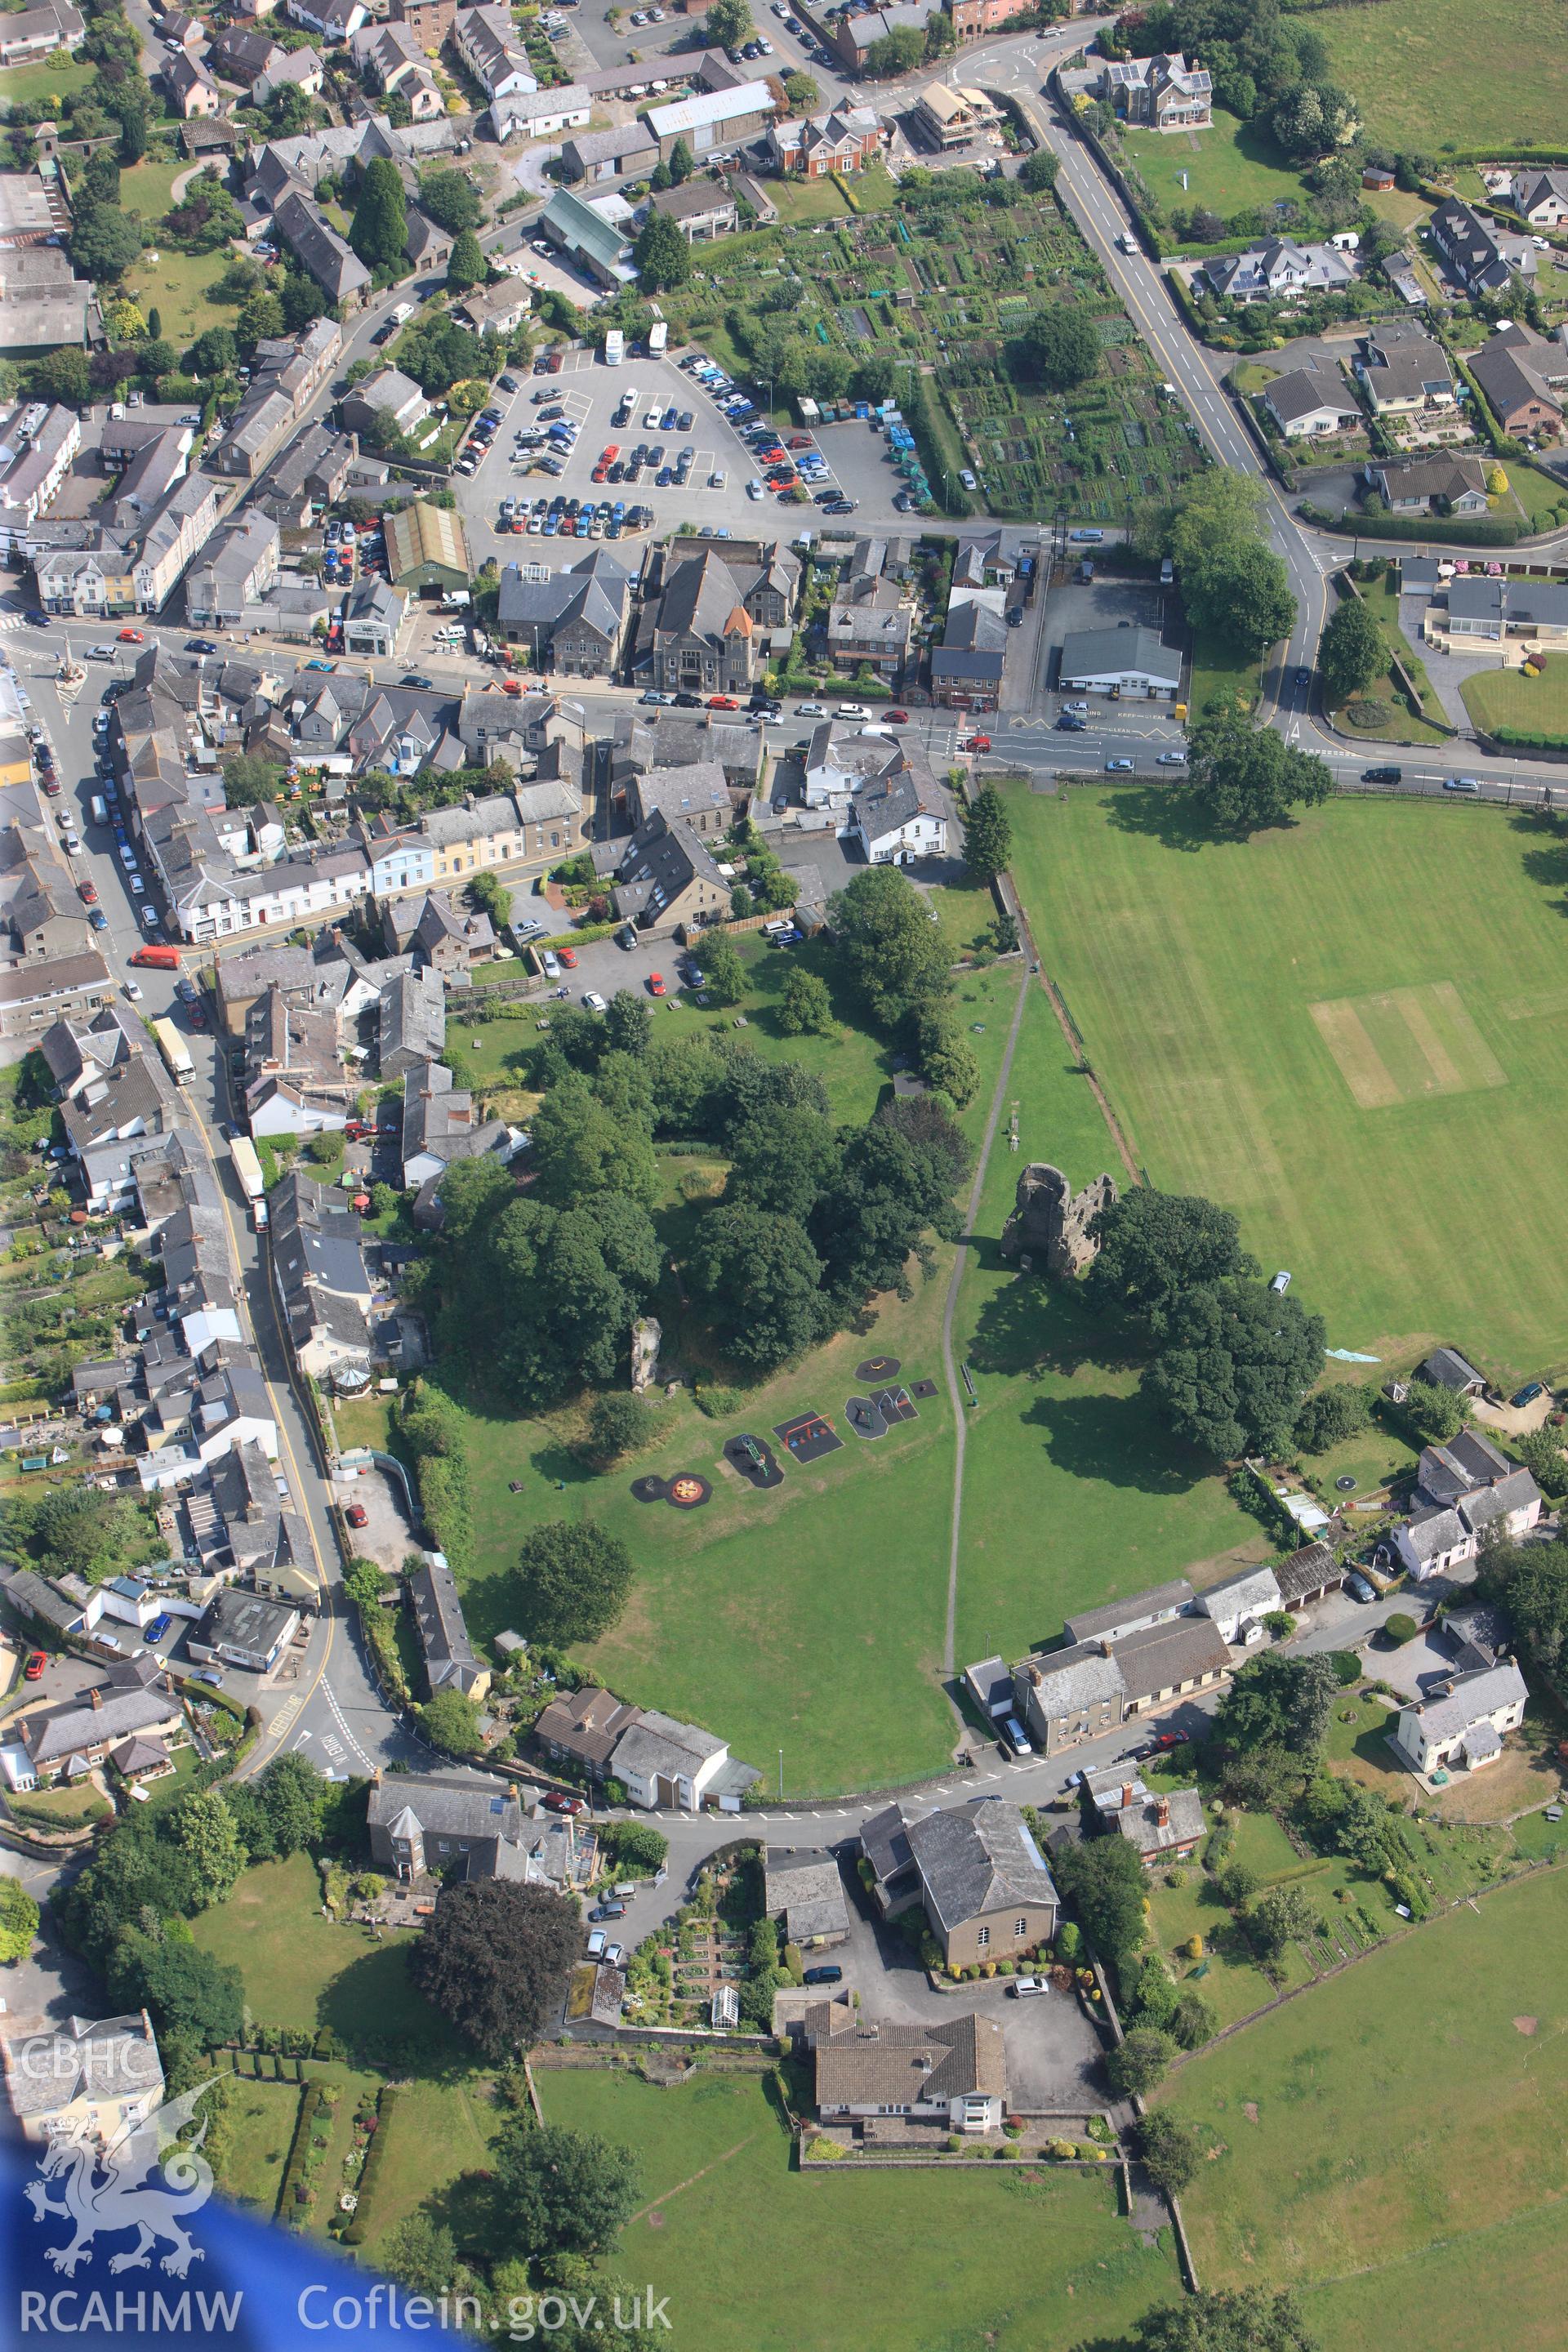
column 785, row 1372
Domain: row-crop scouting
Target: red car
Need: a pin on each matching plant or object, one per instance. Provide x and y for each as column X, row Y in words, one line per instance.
column 36, row 1661
column 800, row 441
column 357, row 1515
column 132, row 637
column 976, row 743
column 196, row 1016
column 555, row 1802
column 655, row 984
column 88, row 892
column 897, row 718
column 1172, row 1740
column 609, row 453
column 568, row 956
column 722, row 702
column 552, row 365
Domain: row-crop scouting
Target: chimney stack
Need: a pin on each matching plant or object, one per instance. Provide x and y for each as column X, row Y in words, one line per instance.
column 96, row 1696
column 1163, row 1813
column 1105, row 1649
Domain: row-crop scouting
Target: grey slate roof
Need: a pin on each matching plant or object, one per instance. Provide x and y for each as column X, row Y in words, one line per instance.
column 1064, row 1682
column 449, row 1659
column 1472, row 1696
column 1089, row 1624
column 976, row 1858
column 112, row 2059
column 887, row 2064
column 807, row 1889
column 66, row 1730
column 1160, row 1657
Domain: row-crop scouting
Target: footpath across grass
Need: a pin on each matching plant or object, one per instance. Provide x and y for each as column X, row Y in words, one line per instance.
column 757, row 2257
column 1336, row 2118
column 1362, row 1091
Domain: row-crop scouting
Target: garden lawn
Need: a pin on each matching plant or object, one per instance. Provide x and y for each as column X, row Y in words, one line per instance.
column 1412, row 64
column 756, row 2257
column 810, row 1618
column 1227, row 1974
column 1506, row 697
column 261, row 2117
column 1221, row 674
column 808, row 200
column 50, row 79
column 1382, row 599
column 1229, row 169
column 1541, row 496
column 303, row 1970
column 1072, row 1493
column 1337, row 2116
column 178, row 286
column 1275, row 1034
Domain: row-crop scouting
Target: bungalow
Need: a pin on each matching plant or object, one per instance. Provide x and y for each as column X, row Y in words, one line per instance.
column 1445, row 1368
column 1304, row 403
column 1440, row 484
column 1133, row 660
column 1278, row 269
column 449, row 1660
column 983, row 1881
column 1466, row 1726
column 953, row 2075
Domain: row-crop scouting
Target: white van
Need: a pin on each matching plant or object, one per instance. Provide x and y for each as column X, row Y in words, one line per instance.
column 99, row 809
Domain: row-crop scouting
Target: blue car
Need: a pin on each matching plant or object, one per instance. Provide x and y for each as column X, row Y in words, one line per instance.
column 158, row 1628
column 98, row 919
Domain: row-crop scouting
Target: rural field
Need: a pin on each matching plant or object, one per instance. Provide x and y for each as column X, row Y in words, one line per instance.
column 756, row 2257
column 1337, row 2118
column 1382, row 1102
column 1439, row 74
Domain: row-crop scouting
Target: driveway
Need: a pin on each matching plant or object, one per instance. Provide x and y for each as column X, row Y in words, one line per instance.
column 1415, row 1667
column 388, row 1539
column 1053, row 2052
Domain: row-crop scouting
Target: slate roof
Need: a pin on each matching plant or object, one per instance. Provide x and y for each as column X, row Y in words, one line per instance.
column 446, row 1804
column 977, row 1858
column 1251, row 1593
column 1445, row 1368
column 449, row 1660
column 112, row 2059
column 807, row 1889
column 1064, row 1682
column 1089, row 1624
column 1140, row 1825
column 885, row 1839
column 67, row 1731
column 338, row 272
column 1509, row 379
column 1092, row 653
column 1159, row 1656
column 659, row 1744
column 1301, row 393
column 885, row 2065
column 1473, row 1695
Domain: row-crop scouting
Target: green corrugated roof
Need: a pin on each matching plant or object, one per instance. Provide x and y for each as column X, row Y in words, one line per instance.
column 577, row 224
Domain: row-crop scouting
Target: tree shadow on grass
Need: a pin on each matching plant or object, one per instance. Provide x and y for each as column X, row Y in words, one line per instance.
column 474, row 2210
column 1163, row 813
column 1112, row 1439
column 384, row 2023
column 559, row 1465
column 1546, row 860
column 1034, row 1326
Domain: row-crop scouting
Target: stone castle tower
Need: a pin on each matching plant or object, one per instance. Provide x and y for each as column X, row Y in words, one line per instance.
column 1050, row 1224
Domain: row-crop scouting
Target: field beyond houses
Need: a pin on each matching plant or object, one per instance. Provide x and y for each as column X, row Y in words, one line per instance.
column 1353, row 1031
column 1435, row 75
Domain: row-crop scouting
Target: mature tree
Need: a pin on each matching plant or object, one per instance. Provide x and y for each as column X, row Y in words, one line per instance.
column 62, row 375
column 1540, row 1450
column 420, row 2253
column 552, row 1294
column 1280, row 1915
column 1235, row 1361
column 629, row 1022
column 930, row 1126
column 579, row 1149
column 1332, row 1415
column 895, row 954
column 495, row 1958
column 763, row 1281
column 806, row 1008
column 988, row 834
column 1038, row 172
column 81, row 1532
column 898, row 52
column 890, row 1190
column 681, row 165
column 575, row 1578
column 248, row 779
column 723, row 974
column 1351, row 653
column 1172, row 2149
column 291, row 1793
column 782, row 1160
column 751, row 1086
column 380, row 231
column 18, row 1919
column 1313, row 117
column 104, row 242
column 1248, row 2319
column 802, row 92
column 1531, row 1580
column 450, row 1721
column 100, row 177
column 260, row 315
column 1060, row 348
column 1232, row 582
column 213, row 354
column 1195, row 2018
column 634, row 1845
column 618, row 1423
column 730, row 23
column 205, row 1834
column 466, row 264
column 1277, row 1702
column 1235, row 1884
column 1105, row 1883
column 492, row 897
column 563, row 2193
column 947, row 1059
column 1138, row 2062
column 1154, row 1245
column 1436, row 1412
column 451, row 200
column 188, row 1993
column 662, row 254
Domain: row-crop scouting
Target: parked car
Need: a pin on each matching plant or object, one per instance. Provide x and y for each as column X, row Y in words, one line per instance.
column 357, row 1515
column 1281, row 1282
column 557, row 1802
column 1527, row 1395
column 1357, row 1586
column 1022, row 1987
column 158, row 1628
column 656, row 986
column 36, row 1661
column 1381, row 775
column 1119, row 767
column 830, row 1974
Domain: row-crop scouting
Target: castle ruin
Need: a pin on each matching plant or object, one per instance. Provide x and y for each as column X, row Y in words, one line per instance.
column 1049, row 1227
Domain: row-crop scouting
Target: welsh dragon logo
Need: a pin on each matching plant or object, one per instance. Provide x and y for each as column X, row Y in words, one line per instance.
column 146, row 2180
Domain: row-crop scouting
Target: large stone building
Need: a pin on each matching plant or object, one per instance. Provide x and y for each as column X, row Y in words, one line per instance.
column 1052, row 1225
